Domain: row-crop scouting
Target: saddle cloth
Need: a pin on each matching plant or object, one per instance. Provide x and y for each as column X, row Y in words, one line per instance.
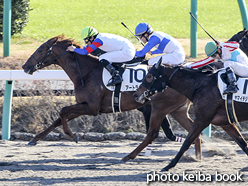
column 242, row 83
column 132, row 78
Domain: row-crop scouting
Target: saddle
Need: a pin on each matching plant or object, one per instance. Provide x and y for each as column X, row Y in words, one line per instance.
column 132, row 75
column 130, row 82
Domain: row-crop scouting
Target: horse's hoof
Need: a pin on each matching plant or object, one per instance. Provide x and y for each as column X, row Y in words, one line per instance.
column 125, row 159
column 122, row 162
column 164, row 169
column 76, row 138
column 32, row 143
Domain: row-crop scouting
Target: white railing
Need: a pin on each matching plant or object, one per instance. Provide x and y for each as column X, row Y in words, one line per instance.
column 13, row 75
column 40, row 75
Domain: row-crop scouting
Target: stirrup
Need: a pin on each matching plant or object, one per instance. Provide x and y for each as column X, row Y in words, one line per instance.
column 231, row 89
column 112, row 82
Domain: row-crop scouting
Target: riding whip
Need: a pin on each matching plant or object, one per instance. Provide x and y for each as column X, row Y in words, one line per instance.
column 203, row 28
column 133, row 34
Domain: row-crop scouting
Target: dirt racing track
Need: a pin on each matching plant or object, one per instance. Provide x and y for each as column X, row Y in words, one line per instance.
column 98, row 163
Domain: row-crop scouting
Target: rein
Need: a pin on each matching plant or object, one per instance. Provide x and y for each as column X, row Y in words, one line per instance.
column 81, row 77
column 172, row 75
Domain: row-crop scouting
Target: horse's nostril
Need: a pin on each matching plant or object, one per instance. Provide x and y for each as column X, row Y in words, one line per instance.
column 24, row 66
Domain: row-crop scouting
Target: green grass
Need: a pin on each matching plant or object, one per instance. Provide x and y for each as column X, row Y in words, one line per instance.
column 50, row 18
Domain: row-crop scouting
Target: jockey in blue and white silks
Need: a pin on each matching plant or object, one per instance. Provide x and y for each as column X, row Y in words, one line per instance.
column 164, row 44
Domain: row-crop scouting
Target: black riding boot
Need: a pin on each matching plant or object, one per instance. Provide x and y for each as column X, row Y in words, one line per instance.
column 116, row 78
column 232, row 86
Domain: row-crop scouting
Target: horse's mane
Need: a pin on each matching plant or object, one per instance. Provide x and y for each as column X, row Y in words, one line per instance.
column 64, row 41
column 62, row 37
column 206, row 70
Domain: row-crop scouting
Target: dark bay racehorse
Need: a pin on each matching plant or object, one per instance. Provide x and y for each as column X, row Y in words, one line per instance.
column 208, row 105
column 240, row 37
column 94, row 98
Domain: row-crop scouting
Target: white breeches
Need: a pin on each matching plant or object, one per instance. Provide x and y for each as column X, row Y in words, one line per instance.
column 174, row 58
column 127, row 53
column 238, row 68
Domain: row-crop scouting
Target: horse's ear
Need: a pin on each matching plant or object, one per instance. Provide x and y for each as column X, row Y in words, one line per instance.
column 53, row 40
column 158, row 63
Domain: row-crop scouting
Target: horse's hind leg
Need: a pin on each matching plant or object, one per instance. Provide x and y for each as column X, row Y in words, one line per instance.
column 166, row 126
column 234, row 132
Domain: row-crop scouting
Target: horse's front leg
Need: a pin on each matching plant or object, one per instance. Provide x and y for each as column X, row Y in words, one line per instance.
column 152, row 134
column 45, row 132
column 67, row 129
column 65, row 125
column 194, row 132
column 67, row 115
column 73, row 110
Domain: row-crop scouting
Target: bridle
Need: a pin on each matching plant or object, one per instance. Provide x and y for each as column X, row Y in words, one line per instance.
column 148, row 86
column 50, row 52
column 42, row 61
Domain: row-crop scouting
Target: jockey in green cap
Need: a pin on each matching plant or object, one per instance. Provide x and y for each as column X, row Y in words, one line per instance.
column 234, row 59
column 116, row 49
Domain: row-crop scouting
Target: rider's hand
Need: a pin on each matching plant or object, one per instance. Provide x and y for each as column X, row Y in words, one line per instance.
column 149, row 52
column 70, row 48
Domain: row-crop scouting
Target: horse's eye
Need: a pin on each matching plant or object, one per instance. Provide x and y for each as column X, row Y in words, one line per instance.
column 149, row 78
column 40, row 51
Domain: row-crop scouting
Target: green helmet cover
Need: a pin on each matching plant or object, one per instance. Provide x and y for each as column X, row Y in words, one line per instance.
column 88, row 32
column 210, row 48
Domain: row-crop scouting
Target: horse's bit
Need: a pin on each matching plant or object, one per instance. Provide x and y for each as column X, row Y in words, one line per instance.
column 148, row 93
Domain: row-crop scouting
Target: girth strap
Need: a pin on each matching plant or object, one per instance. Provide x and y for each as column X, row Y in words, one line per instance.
column 231, row 115
column 116, row 98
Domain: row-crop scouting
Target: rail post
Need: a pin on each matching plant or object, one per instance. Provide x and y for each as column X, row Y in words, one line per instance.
column 207, row 132
column 243, row 11
column 7, row 105
column 193, row 30
column 6, row 27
